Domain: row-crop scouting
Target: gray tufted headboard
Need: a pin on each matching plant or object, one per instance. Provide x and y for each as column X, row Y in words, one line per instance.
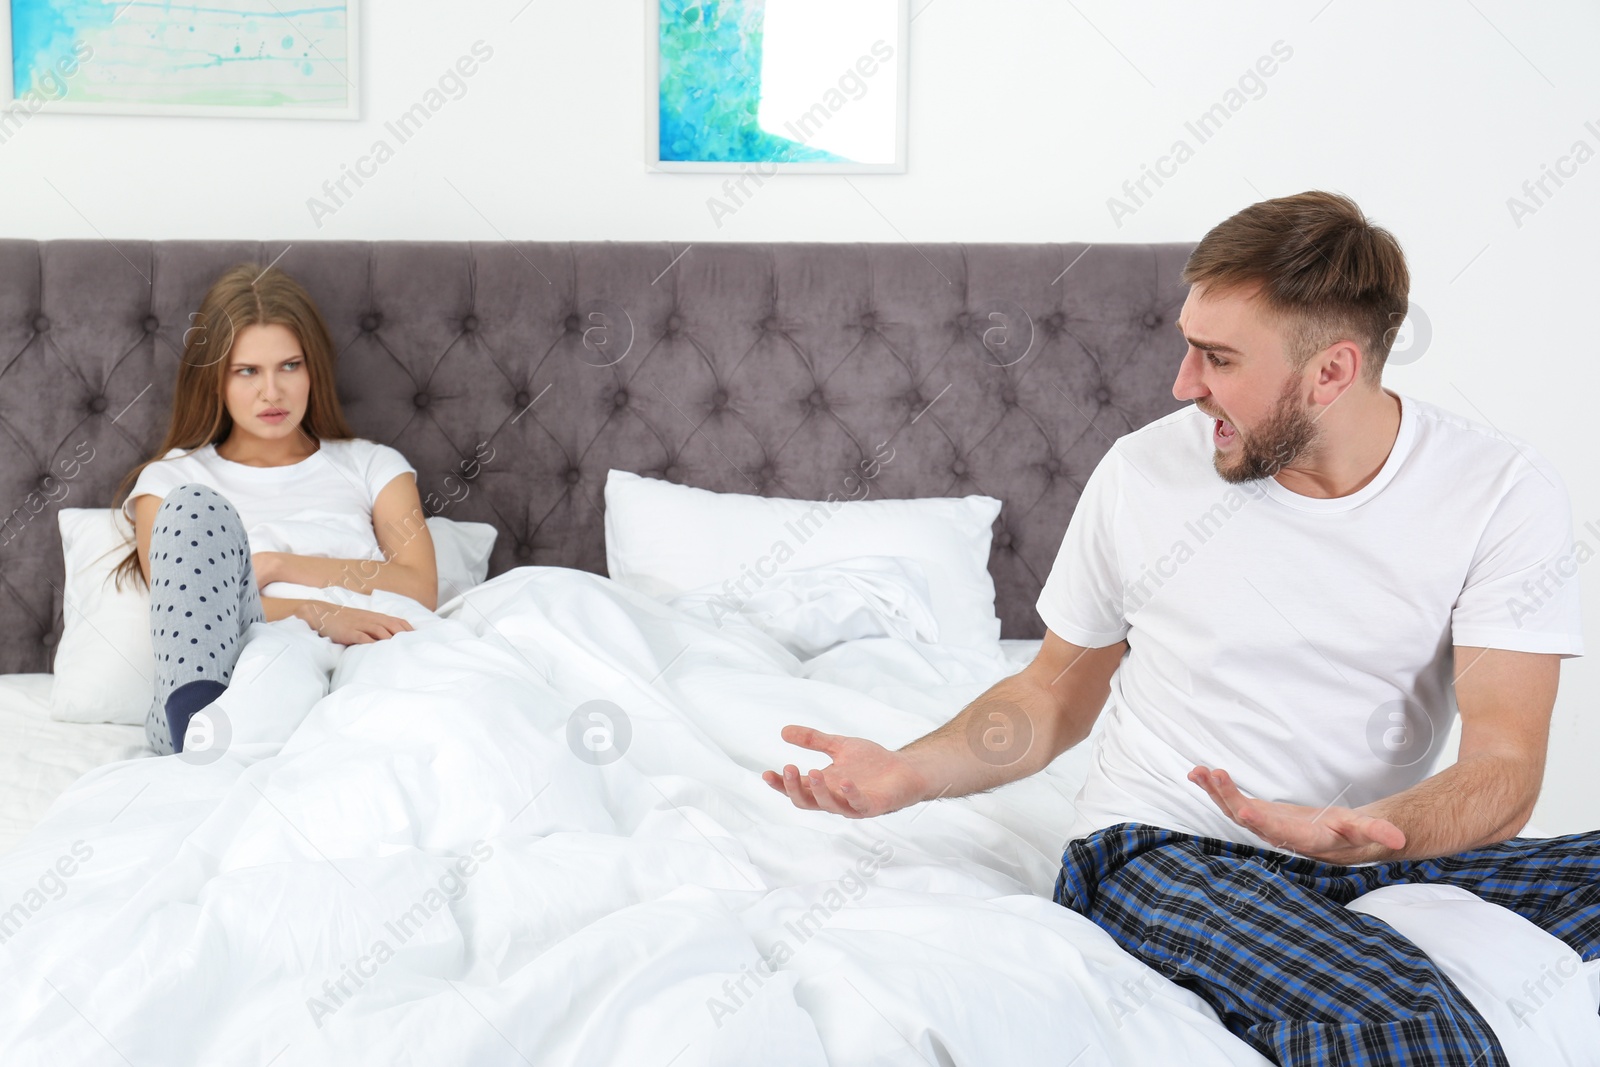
column 512, row 375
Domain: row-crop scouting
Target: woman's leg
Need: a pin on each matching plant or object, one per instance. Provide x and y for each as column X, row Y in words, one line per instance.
column 203, row 597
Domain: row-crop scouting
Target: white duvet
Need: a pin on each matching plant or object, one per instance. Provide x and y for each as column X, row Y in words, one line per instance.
column 439, row 866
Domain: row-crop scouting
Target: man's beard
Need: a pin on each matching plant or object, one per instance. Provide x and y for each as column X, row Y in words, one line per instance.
column 1288, row 434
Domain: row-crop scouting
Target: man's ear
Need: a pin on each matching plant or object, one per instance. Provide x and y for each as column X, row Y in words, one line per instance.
column 1337, row 368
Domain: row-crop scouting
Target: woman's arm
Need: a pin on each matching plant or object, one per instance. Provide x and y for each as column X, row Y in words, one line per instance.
column 409, row 567
column 343, row 625
column 145, row 507
column 278, row 607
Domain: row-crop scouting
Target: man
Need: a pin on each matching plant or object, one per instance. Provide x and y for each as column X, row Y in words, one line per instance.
column 1278, row 587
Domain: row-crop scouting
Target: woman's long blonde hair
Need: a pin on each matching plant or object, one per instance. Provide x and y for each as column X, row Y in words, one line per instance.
column 245, row 295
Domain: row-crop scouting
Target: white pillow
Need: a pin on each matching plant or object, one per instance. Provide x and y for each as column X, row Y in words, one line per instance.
column 461, row 550
column 105, row 665
column 665, row 540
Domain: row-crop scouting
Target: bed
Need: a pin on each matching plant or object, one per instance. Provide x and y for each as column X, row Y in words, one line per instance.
column 514, row 376
column 415, row 852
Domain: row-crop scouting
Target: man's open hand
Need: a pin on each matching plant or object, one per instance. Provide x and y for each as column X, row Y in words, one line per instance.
column 1334, row 835
column 864, row 779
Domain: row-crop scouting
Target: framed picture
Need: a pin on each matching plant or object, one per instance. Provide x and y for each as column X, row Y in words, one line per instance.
column 807, row 86
column 223, row 57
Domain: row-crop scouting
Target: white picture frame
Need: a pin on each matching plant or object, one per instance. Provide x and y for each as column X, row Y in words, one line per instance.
column 350, row 70
column 652, row 110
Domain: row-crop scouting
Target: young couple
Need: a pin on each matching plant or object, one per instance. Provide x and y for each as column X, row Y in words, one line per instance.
column 1394, row 567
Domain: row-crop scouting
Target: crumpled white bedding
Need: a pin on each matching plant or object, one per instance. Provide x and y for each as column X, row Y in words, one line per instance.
column 808, row 610
column 438, row 862
column 438, row 867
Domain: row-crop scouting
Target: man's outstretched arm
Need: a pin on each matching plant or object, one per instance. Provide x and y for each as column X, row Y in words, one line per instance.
column 1505, row 699
column 1013, row 730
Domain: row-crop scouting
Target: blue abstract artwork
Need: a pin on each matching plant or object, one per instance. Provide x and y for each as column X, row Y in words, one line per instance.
column 780, row 81
column 223, row 55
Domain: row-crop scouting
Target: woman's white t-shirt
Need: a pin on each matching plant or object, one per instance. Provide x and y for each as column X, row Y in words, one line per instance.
column 1302, row 644
column 320, row 506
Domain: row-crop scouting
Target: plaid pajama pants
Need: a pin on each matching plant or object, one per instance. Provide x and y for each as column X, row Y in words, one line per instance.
column 1265, row 939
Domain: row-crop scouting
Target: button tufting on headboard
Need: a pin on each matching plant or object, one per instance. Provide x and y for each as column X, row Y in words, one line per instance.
column 806, row 364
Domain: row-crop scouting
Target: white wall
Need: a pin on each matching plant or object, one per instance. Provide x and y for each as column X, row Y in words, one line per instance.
column 1026, row 115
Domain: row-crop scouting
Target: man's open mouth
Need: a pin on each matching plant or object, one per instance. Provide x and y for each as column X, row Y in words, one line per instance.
column 1223, row 432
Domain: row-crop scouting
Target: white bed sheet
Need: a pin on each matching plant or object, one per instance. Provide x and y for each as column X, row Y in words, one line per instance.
column 40, row 758
column 234, row 912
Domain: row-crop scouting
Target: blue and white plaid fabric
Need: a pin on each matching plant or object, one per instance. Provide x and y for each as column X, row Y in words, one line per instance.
column 1265, row 939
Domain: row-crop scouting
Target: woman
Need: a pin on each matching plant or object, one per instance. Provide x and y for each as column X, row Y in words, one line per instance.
column 259, row 480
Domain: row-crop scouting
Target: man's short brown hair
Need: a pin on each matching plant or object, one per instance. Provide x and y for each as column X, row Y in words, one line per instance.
column 1325, row 273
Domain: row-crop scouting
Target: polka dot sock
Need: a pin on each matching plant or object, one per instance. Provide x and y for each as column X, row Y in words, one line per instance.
column 185, row 700
column 203, row 598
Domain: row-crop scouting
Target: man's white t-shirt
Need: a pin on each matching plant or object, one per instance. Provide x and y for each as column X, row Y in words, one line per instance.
column 321, row 506
column 1304, row 645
